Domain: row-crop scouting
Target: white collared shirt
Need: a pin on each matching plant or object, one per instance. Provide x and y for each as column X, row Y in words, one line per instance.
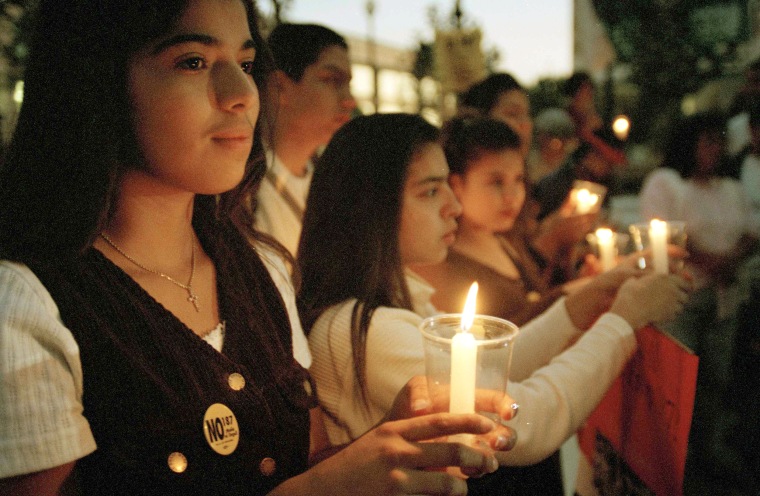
column 274, row 214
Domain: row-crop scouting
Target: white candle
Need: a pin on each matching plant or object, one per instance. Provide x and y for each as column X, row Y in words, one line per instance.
column 605, row 239
column 464, row 360
column 658, row 241
column 464, row 356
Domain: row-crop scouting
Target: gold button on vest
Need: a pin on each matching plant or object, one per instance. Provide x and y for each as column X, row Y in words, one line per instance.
column 268, row 466
column 177, row 462
column 236, row 381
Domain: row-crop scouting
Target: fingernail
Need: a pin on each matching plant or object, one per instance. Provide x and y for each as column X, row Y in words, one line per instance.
column 493, row 464
column 501, row 442
column 511, row 441
column 515, row 409
column 420, row 404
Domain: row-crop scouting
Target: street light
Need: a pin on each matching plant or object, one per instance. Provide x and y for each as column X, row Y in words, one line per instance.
column 372, row 50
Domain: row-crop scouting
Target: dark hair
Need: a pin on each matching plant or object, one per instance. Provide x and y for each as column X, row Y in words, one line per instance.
column 75, row 133
column 296, row 46
column 349, row 243
column 754, row 112
column 483, row 96
column 680, row 153
column 466, row 139
column 575, row 82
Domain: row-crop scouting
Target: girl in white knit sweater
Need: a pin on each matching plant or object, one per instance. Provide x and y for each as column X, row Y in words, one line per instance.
column 379, row 205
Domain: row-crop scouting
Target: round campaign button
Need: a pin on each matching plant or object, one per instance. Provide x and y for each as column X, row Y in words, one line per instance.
column 221, row 429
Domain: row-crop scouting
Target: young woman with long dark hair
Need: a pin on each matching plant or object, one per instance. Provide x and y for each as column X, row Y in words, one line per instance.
column 147, row 334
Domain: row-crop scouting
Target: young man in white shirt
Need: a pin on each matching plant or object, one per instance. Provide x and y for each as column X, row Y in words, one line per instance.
column 309, row 98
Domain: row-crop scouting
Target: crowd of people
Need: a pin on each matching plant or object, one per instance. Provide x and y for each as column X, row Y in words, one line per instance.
column 213, row 271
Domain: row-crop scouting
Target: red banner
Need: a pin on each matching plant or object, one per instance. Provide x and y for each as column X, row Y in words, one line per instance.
column 637, row 437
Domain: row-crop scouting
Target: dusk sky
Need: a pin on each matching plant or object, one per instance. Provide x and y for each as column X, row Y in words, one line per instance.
column 534, row 38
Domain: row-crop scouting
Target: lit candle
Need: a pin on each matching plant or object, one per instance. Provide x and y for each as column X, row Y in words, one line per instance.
column 658, row 241
column 621, row 126
column 605, row 240
column 585, row 200
column 464, row 358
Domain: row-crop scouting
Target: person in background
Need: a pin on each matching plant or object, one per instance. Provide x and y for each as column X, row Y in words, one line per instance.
column 554, row 139
column 581, row 93
column 501, row 97
column 147, row 345
column 737, row 126
column 309, row 98
column 745, row 166
column 689, row 186
column 380, row 207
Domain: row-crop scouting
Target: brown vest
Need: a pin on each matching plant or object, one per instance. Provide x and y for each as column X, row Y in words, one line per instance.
column 149, row 380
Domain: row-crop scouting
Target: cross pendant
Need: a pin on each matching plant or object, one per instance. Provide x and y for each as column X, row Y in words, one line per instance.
column 193, row 298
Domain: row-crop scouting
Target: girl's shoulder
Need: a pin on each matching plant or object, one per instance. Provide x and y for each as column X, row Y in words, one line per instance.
column 339, row 317
column 19, row 286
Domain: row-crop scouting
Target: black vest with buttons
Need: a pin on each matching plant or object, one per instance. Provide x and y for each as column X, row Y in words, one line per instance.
column 149, row 380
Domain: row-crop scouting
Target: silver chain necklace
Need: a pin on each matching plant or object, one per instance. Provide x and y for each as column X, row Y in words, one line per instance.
column 191, row 296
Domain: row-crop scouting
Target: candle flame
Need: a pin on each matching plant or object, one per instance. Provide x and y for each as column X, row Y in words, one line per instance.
column 468, row 315
column 658, row 225
column 585, row 199
column 621, row 126
column 603, row 233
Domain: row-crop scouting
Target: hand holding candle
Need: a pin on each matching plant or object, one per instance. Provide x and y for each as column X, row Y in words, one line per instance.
column 467, row 357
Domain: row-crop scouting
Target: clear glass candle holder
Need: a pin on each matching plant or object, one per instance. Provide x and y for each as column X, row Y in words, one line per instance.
column 493, row 340
column 607, row 245
column 645, row 237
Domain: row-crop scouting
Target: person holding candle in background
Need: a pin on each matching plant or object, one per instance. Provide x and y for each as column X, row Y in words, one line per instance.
column 383, row 179
column 580, row 91
column 488, row 179
column 145, row 328
column 690, row 186
column 557, row 199
column 595, row 160
column 501, row 97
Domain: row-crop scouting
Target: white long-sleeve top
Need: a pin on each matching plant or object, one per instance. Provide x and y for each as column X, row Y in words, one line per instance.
column 556, row 389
